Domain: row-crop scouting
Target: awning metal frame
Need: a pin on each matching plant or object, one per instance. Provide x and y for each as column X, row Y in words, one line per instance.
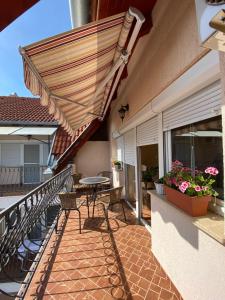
column 140, row 20
column 117, row 67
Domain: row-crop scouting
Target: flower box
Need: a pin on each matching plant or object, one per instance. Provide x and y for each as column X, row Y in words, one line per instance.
column 194, row 206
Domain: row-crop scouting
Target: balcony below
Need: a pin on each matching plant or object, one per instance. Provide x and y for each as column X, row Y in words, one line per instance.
column 100, row 263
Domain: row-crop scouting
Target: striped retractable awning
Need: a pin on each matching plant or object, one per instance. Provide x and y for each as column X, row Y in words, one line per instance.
column 73, row 73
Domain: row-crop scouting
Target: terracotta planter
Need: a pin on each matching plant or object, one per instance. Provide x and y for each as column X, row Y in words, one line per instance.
column 193, row 206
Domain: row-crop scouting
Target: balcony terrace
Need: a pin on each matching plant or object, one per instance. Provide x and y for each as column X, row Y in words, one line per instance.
column 110, row 259
column 100, row 263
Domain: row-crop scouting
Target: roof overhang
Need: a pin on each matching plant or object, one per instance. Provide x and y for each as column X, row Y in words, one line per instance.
column 11, row 9
column 76, row 73
column 13, row 130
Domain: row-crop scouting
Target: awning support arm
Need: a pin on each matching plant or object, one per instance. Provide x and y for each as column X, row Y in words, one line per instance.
column 68, row 100
column 122, row 60
column 139, row 21
column 73, row 102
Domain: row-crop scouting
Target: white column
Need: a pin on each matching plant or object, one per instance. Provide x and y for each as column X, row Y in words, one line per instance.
column 138, row 184
column 222, row 70
column 160, row 145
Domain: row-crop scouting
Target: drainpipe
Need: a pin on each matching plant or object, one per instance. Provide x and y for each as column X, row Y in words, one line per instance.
column 80, row 12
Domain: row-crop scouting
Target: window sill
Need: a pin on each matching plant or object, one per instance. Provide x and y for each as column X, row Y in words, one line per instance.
column 212, row 224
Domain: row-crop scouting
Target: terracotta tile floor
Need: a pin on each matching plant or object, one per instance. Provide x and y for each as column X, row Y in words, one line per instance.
column 99, row 263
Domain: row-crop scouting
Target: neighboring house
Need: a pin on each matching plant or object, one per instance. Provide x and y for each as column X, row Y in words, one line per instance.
column 26, row 132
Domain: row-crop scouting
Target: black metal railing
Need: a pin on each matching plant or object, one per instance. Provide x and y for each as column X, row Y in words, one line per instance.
column 25, row 228
column 20, row 179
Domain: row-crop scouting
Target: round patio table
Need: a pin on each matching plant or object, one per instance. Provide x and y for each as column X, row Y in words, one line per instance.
column 93, row 183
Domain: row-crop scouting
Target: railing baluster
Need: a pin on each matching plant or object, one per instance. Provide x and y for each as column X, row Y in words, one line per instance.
column 21, row 220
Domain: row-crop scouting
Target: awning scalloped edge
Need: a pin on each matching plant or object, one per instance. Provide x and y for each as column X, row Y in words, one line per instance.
column 37, row 89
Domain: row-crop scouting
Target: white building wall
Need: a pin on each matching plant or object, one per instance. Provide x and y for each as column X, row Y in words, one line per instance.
column 194, row 261
column 92, row 158
column 12, row 155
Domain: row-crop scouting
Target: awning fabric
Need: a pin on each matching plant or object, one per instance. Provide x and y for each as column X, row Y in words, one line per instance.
column 66, row 70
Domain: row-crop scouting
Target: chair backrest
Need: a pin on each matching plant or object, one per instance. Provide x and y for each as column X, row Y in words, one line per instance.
column 68, row 186
column 115, row 194
column 105, row 174
column 68, row 200
column 76, row 178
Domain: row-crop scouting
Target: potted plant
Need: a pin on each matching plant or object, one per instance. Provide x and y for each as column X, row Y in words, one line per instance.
column 117, row 165
column 159, row 186
column 190, row 190
column 147, row 177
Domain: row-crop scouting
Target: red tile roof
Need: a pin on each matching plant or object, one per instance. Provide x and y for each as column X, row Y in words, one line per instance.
column 63, row 140
column 23, row 110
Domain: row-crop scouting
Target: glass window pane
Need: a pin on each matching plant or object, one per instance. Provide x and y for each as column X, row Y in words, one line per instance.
column 31, row 154
column 199, row 145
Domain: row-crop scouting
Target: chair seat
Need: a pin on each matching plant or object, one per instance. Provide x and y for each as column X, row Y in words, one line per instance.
column 80, row 187
column 111, row 197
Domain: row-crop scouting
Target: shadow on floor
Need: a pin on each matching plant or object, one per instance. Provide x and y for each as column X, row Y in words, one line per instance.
column 86, row 263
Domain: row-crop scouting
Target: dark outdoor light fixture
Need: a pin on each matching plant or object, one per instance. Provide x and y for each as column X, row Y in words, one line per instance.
column 123, row 109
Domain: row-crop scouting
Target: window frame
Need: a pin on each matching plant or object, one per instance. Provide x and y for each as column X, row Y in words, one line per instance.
column 167, row 141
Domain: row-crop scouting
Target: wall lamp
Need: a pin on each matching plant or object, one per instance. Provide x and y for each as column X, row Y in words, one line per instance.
column 123, row 109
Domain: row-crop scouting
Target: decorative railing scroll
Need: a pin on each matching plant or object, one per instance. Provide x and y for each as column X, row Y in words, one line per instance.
column 25, row 228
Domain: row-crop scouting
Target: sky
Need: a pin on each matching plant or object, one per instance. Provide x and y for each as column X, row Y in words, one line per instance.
column 46, row 18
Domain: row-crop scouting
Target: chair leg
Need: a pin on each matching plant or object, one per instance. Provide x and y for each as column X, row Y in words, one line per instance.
column 56, row 225
column 79, row 220
column 88, row 207
column 107, row 216
column 66, row 213
column 123, row 211
column 93, row 212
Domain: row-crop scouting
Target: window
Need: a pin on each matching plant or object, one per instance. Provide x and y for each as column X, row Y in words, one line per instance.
column 200, row 145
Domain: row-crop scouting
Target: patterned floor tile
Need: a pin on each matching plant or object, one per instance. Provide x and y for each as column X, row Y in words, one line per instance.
column 100, row 263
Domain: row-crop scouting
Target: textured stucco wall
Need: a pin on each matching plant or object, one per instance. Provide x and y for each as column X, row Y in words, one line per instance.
column 160, row 57
column 93, row 158
column 194, row 261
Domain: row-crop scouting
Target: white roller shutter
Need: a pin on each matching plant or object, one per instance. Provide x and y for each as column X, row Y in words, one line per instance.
column 130, row 147
column 202, row 105
column 10, row 155
column 147, row 132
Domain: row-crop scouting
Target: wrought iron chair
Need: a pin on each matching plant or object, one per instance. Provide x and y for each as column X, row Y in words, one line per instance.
column 111, row 197
column 77, row 186
column 70, row 201
column 106, row 185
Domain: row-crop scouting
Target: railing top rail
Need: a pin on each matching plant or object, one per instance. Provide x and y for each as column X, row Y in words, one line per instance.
column 8, row 209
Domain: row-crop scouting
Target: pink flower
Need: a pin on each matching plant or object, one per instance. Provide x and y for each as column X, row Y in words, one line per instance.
column 173, row 181
column 183, row 186
column 212, row 171
column 205, row 188
column 198, row 188
column 182, row 189
column 177, row 163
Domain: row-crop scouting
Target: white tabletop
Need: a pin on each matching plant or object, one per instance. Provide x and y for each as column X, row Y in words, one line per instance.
column 93, row 180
